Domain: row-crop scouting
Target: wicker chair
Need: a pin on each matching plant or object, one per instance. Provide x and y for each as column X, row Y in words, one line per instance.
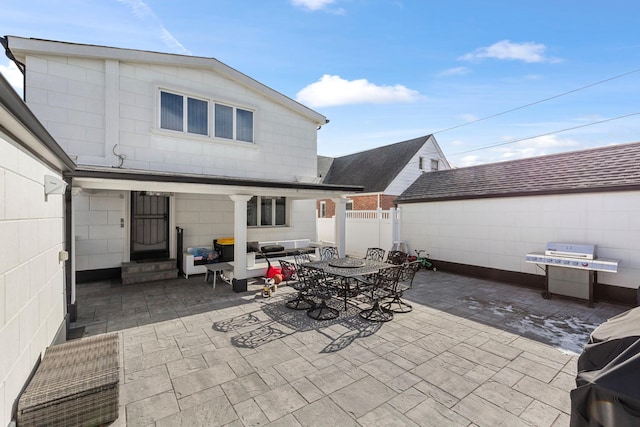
column 397, row 257
column 393, row 302
column 375, row 254
column 302, row 301
column 382, row 286
column 319, row 288
column 328, row 252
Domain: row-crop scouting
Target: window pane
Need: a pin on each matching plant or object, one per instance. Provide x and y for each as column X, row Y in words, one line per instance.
column 252, row 212
column 281, row 211
column 244, row 131
column 224, row 121
column 197, row 116
column 266, row 211
column 171, row 115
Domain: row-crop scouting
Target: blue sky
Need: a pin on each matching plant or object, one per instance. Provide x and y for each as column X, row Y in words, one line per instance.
column 384, row 71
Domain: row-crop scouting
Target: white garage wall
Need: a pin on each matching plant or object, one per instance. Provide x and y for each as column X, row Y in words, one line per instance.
column 32, row 297
column 498, row 233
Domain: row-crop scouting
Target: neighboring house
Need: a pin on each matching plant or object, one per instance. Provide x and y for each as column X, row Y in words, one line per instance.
column 33, row 301
column 383, row 172
column 483, row 220
column 163, row 141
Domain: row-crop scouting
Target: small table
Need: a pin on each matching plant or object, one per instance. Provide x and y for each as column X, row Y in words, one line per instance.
column 214, row 269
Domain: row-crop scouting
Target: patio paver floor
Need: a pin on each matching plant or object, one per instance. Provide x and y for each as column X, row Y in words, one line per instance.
column 472, row 352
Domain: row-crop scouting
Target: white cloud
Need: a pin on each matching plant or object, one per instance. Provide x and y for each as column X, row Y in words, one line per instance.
column 13, row 76
column 143, row 12
column 457, row 71
column 312, row 4
column 333, row 90
column 468, row 118
column 504, row 49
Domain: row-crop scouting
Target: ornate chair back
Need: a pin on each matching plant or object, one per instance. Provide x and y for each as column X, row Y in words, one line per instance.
column 396, row 257
column 387, row 278
column 288, row 270
column 375, row 254
column 328, row 252
column 301, row 257
column 408, row 273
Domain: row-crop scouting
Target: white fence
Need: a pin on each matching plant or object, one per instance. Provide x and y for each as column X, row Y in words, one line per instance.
column 364, row 229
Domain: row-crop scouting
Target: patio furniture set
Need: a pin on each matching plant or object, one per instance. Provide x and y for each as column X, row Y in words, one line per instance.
column 380, row 282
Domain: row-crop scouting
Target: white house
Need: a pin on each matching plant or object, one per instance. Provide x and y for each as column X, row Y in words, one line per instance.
column 164, row 141
column 483, row 220
column 383, row 172
column 32, row 274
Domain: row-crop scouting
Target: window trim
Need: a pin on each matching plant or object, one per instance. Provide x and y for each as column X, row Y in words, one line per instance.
column 274, row 215
column 211, row 101
column 323, row 209
column 437, row 165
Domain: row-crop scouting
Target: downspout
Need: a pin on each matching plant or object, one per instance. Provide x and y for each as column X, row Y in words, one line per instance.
column 69, row 274
column 5, row 43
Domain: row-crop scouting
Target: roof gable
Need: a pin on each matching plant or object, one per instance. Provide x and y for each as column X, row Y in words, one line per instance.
column 611, row 168
column 20, row 47
column 374, row 169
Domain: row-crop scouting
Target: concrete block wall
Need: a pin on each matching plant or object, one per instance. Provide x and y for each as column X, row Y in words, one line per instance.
column 68, row 97
column 32, row 300
column 100, row 240
column 203, row 217
column 90, row 105
column 207, row 217
column 498, row 233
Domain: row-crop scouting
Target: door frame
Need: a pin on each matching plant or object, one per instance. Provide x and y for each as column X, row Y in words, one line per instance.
column 155, row 254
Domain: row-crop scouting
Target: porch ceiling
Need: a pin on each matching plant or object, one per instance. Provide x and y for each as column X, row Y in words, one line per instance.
column 97, row 178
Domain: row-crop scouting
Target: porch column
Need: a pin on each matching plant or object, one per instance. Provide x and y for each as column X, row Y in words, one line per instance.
column 341, row 225
column 240, row 237
column 71, row 245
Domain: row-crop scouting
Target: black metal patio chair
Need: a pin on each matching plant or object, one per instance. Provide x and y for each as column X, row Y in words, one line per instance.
column 319, row 288
column 375, row 254
column 328, row 252
column 381, row 287
column 397, row 257
column 301, row 257
column 393, row 302
column 302, row 301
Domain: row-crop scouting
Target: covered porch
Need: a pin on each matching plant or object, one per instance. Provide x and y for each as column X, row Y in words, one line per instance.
column 101, row 220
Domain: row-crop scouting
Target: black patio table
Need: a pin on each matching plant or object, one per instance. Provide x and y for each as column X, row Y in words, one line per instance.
column 348, row 269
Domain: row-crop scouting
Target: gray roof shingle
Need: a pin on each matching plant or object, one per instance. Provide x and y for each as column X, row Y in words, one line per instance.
column 610, row 168
column 373, row 169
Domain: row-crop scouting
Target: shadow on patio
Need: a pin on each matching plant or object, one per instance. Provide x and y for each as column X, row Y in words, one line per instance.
column 472, row 352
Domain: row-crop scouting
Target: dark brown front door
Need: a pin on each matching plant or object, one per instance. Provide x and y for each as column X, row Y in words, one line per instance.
column 149, row 226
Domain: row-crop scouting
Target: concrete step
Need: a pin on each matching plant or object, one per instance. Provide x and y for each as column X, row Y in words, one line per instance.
column 149, row 276
column 148, row 271
column 148, row 266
